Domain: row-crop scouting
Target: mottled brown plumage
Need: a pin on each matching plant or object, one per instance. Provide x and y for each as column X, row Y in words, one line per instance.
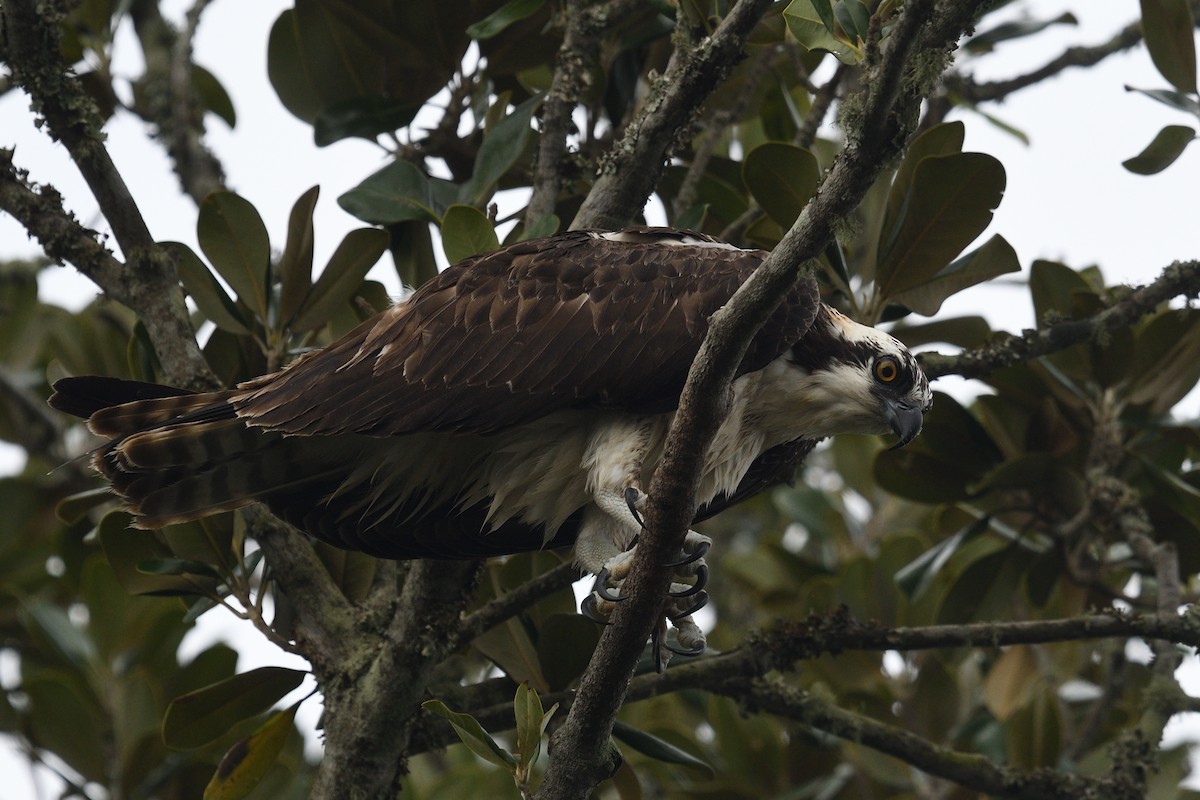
column 491, row 411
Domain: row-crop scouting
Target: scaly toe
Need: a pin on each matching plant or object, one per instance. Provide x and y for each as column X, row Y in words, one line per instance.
column 635, row 498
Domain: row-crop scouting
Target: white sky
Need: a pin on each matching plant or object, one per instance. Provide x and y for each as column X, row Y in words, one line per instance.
column 1068, row 198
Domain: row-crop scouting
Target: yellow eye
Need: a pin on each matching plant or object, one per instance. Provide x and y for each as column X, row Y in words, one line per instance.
column 886, row 369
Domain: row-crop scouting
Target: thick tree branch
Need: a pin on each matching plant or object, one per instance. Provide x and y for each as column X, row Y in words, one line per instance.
column 372, row 703
column 1181, row 279
column 887, row 115
column 149, row 284
column 740, row 674
column 585, row 23
column 631, row 170
column 167, row 99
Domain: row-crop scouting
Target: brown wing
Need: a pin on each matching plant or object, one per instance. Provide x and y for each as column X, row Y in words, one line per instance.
column 569, row 321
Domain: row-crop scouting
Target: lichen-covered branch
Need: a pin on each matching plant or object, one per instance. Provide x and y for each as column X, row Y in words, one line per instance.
column 632, row 168
column 168, row 100
column 585, row 23
column 887, row 115
column 372, row 701
column 1181, row 279
column 148, row 284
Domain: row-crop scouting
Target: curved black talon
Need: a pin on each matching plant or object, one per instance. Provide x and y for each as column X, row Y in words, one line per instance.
column 600, row 587
column 632, row 495
column 690, row 653
column 698, row 586
column 701, row 602
column 692, row 557
column 588, row 609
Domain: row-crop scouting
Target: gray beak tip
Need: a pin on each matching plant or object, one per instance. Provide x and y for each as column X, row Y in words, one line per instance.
column 905, row 421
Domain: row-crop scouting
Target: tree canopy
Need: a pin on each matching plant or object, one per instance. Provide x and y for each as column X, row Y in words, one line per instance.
column 958, row 618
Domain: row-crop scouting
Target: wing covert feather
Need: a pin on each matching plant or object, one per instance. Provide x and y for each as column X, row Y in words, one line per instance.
column 574, row 320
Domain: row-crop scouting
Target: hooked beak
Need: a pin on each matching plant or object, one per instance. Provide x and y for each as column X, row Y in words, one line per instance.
column 904, row 419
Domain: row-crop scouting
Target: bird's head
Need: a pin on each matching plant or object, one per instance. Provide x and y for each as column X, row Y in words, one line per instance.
column 851, row 378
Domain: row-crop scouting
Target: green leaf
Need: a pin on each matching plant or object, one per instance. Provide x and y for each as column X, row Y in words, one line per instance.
column 940, row 140
column 74, row 507
column 234, row 238
column 204, row 288
column 342, row 277
column 915, row 577
column 531, row 724
column 1166, row 359
column 502, row 147
column 1054, row 288
column 499, row 20
column 986, row 41
column 995, row 257
column 466, row 231
column 660, row 749
column 397, row 193
column 249, row 761
column 1170, row 37
column 364, row 117
column 1167, row 145
column 854, row 18
column 295, row 265
column 546, row 226
column 949, row 204
column 808, row 25
column 1169, row 97
column 126, row 548
column 197, row 718
column 213, row 95
column 782, row 178
column 962, row 332
column 52, row 624
column 472, row 734
column 412, row 252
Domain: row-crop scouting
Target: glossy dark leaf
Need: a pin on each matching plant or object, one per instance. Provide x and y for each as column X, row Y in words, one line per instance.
column 295, row 265
column 397, row 193
column 949, row 203
column 994, row 258
column 246, row 763
column 343, row 275
column 126, row 548
column 854, row 18
column 363, row 117
column 806, row 23
column 959, row 331
column 204, row 288
column 917, row 576
column 499, row 20
column 1170, row 97
column 659, row 749
column 213, row 95
column 782, row 178
column 206, row 714
column 503, row 145
column 234, row 238
column 466, row 231
column 175, row 566
column 1054, row 288
column 1167, row 145
column 1170, row 37
column 940, row 140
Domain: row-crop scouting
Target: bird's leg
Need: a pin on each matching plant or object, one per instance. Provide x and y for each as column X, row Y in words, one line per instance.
column 608, row 539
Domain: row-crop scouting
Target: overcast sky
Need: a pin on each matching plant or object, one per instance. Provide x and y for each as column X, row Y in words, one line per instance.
column 1068, row 198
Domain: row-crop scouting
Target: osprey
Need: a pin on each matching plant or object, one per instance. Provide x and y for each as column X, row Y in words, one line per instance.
column 520, row 400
